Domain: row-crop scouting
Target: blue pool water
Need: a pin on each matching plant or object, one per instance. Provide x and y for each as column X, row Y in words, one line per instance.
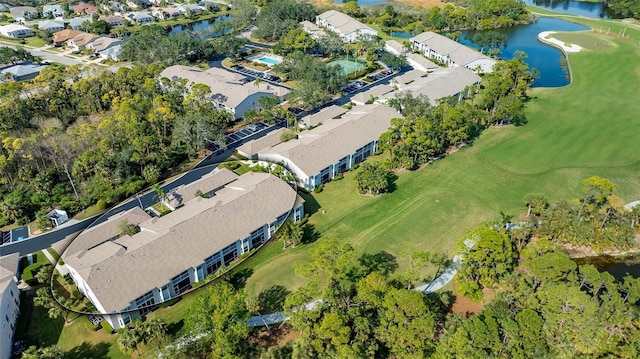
column 269, row 61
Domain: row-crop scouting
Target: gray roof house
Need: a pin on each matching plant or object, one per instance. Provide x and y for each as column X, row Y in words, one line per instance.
column 51, row 25
column 22, row 72
column 114, row 21
column 394, row 47
column 77, row 22
column 4, row 7
column 126, row 276
column 419, row 62
column 102, row 43
column 327, row 113
column 371, row 95
column 16, row 31
column 140, row 17
column 227, row 92
column 451, row 53
column 112, row 52
column 9, row 302
column 348, row 28
column 312, row 29
column 446, row 82
column 322, row 153
column 251, row 148
column 23, row 13
column 52, row 10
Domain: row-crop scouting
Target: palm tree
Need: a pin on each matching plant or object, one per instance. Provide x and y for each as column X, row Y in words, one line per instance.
column 155, row 328
column 129, row 339
column 44, row 274
column 160, row 193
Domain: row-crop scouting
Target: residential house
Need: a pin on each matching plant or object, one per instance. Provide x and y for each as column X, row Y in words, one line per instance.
column 348, row 28
column 127, row 276
column 4, row 7
column 63, row 36
column 446, row 82
column 114, row 21
column 140, row 17
column 322, row 153
column 9, row 302
column 53, row 10
column 84, row 9
column 229, row 91
column 251, row 148
column 51, row 25
column 451, row 53
column 312, row 29
column 102, row 43
column 396, row 48
column 187, row 9
column 419, row 62
column 23, row 13
column 21, row 72
column 76, row 22
column 408, row 77
column 138, row 4
column 113, row 6
column 80, row 41
column 111, row 53
column 16, row 31
column 371, row 94
column 166, row 13
column 327, row 113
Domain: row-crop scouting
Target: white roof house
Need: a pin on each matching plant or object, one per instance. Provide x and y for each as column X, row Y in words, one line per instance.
column 348, row 28
column 51, row 25
column 112, row 52
column 16, row 31
column 446, row 82
column 228, row 90
column 451, row 53
column 120, row 272
column 371, row 95
column 394, row 47
column 322, row 153
column 9, row 302
column 251, row 148
column 322, row 116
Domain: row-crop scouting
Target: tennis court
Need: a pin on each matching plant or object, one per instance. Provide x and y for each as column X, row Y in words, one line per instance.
column 349, row 65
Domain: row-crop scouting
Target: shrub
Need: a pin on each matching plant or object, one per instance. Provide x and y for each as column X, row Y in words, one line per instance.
column 232, row 165
column 101, row 204
column 318, row 189
column 68, row 279
column 107, row 327
column 338, row 177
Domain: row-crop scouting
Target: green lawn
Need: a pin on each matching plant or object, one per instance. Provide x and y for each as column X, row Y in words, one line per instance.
column 574, row 132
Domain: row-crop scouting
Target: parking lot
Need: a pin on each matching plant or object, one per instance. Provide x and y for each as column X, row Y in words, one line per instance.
column 254, row 73
column 245, row 132
column 357, row 85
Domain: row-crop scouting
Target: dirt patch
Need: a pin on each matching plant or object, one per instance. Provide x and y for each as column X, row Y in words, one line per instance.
column 278, row 337
column 464, row 305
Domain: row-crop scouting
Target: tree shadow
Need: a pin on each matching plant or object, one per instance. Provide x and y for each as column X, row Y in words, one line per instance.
column 383, row 262
column 239, row 278
column 391, row 180
column 175, row 327
column 309, row 234
column 272, row 298
column 311, row 206
column 88, row 350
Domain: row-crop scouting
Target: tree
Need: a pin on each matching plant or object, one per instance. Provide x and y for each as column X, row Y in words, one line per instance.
column 130, row 338
column 294, row 40
column 536, row 203
column 44, row 274
column 220, row 314
column 487, row 256
column 491, row 40
column 290, row 232
column 51, row 352
column 373, row 178
column 229, row 45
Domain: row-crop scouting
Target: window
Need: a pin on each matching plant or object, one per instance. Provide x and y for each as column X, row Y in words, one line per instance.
column 257, row 238
column 230, row 253
column 126, row 320
column 146, row 303
column 181, row 283
column 11, row 292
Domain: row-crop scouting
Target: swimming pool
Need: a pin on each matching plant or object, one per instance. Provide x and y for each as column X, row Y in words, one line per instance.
column 269, row 61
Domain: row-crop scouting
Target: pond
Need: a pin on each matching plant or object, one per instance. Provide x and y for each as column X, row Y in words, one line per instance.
column 591, row 9
column 203, row 28
column 617, row 267
column 545, row 58
column 404, row 35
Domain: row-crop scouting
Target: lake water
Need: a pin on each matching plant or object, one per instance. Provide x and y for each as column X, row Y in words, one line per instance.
column 204, row 27
column 591, row 9
column 545, row 58
column 618, row 267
